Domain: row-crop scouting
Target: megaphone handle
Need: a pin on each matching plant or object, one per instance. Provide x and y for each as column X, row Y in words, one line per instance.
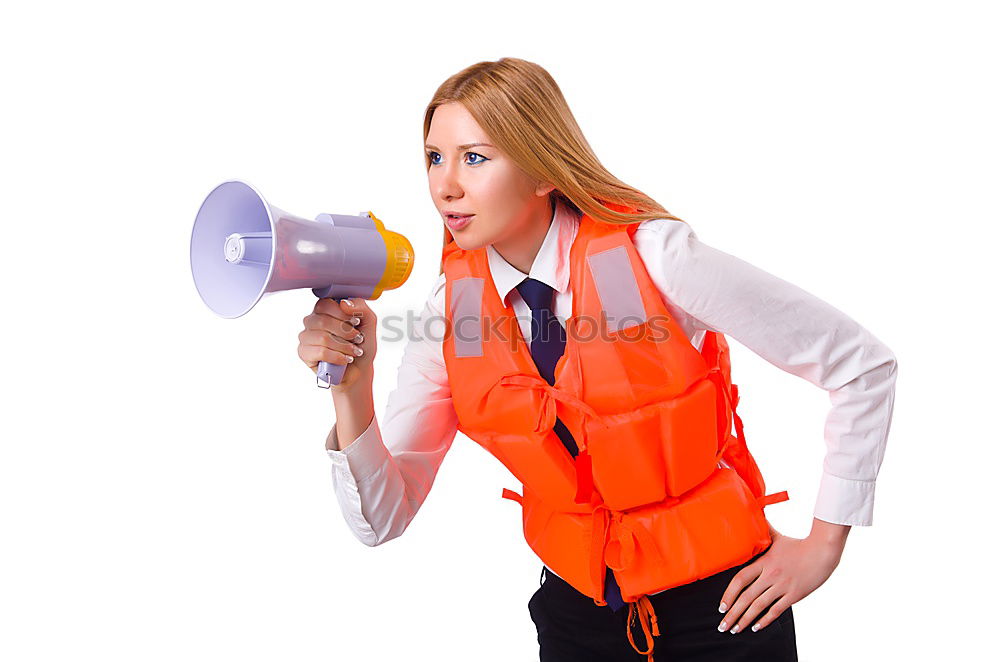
column 328, row 374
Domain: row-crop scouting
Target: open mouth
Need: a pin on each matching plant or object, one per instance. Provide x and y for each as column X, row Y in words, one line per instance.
column 456, row 221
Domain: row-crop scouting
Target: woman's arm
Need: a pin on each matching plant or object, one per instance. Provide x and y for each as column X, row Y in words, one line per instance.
column 807, row 337
column 381, row 484
column 801, row 334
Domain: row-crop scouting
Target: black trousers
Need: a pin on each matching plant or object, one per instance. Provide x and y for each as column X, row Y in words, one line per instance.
column 571, row 628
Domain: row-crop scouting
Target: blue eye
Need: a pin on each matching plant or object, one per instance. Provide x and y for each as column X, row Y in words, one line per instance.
column 482, row 159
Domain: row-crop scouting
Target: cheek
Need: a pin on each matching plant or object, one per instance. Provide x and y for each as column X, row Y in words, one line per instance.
column 481, row 192
column 496, row 200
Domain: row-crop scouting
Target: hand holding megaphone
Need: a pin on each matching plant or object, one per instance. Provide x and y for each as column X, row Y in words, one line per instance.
column 243, row 248
column 330, row 335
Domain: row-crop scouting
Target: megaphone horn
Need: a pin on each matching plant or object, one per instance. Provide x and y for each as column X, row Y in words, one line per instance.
column 243, row 248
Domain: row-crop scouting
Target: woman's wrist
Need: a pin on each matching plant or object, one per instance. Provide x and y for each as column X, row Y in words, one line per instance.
column 829, row 534
column 360, row 383
column 355, row 409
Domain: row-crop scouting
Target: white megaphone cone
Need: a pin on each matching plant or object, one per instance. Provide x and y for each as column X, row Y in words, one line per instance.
column 243, row 248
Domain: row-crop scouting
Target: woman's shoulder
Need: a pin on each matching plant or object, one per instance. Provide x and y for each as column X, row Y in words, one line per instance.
column 665, row 227
column 664, row 240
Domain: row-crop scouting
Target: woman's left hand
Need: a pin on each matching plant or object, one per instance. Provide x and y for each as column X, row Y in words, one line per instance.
column 790, row 570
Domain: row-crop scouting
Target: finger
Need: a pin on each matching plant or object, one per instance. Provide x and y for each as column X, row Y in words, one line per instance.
column 330, row 325
column 352, row 306
column 360, row 314
column 324, row 339
column 333, row 308
column 762, row 602
column 739, row 581
column 313, row 354
column 356, row 307
column 747, row 596
column 774, row 612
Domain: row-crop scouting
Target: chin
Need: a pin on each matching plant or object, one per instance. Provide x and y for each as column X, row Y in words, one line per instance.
column 468, row 243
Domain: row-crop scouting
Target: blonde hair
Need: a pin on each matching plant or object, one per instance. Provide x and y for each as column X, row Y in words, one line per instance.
column 524, row 113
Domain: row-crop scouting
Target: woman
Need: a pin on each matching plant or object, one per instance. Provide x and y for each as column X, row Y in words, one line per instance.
column 583, row 335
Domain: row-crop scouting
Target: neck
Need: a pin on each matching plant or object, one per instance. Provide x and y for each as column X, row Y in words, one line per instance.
column 520, row 251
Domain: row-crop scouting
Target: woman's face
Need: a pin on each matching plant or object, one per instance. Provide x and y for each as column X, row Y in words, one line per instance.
column 468, row 176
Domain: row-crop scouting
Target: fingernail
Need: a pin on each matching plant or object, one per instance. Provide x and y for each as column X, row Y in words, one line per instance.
column 755, row 627
column 722, row 626
column 360, row 337
column 350, row 358
column 349, row 302
column 358, row 351
column 736, row 628
column 355, row 321
column 722, row 607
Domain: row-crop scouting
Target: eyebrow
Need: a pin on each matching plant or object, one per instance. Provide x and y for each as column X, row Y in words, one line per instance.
column 461, row 147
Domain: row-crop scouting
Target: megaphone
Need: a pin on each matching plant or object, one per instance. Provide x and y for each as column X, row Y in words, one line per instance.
column 243, row 248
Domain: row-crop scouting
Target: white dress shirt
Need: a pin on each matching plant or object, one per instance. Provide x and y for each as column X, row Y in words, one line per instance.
column 381, row 480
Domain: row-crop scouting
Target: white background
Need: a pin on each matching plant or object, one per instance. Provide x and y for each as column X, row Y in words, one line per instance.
column 165, row 490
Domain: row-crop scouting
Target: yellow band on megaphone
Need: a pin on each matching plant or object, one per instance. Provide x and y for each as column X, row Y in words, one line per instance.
column 399, row 258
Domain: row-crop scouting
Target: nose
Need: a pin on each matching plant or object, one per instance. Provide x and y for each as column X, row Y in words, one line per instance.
column 444, row 181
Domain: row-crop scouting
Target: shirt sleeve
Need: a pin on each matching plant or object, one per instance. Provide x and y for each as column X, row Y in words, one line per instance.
column 381, row 482
column 799, row 333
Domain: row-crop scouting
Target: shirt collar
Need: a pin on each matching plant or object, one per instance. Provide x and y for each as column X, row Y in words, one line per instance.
column 551, row 264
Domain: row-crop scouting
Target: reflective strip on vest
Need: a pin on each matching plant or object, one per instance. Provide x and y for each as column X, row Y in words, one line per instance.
column 466, row 312
column 617, row 287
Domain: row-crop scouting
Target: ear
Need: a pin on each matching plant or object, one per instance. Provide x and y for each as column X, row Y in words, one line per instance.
column 544, row 189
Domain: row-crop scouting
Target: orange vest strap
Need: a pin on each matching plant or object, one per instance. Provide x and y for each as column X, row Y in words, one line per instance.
column 584, row 471
column 777, row 497
column 732, row 397
column 569, row 400
column 647, row 619
column 729, row 437
column 512, row 495
column 584, row 477
column 625, row 544
column 598, row 536
column 739, row 428
column 725, row 447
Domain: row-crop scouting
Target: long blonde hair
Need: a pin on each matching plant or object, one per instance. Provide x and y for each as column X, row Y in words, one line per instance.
column 524, row 113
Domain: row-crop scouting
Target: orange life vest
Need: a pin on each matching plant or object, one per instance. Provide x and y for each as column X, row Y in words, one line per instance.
column 651, row 415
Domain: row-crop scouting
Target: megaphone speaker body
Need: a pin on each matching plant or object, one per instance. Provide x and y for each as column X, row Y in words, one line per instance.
column 243, row 248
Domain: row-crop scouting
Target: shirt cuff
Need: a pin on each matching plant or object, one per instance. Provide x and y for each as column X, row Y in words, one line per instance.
column 845, row 501
column 365, row 456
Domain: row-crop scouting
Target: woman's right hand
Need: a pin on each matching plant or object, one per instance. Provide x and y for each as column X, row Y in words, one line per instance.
column 329, row 335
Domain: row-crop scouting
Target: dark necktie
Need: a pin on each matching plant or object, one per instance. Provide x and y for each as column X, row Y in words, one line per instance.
column 548, row 342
